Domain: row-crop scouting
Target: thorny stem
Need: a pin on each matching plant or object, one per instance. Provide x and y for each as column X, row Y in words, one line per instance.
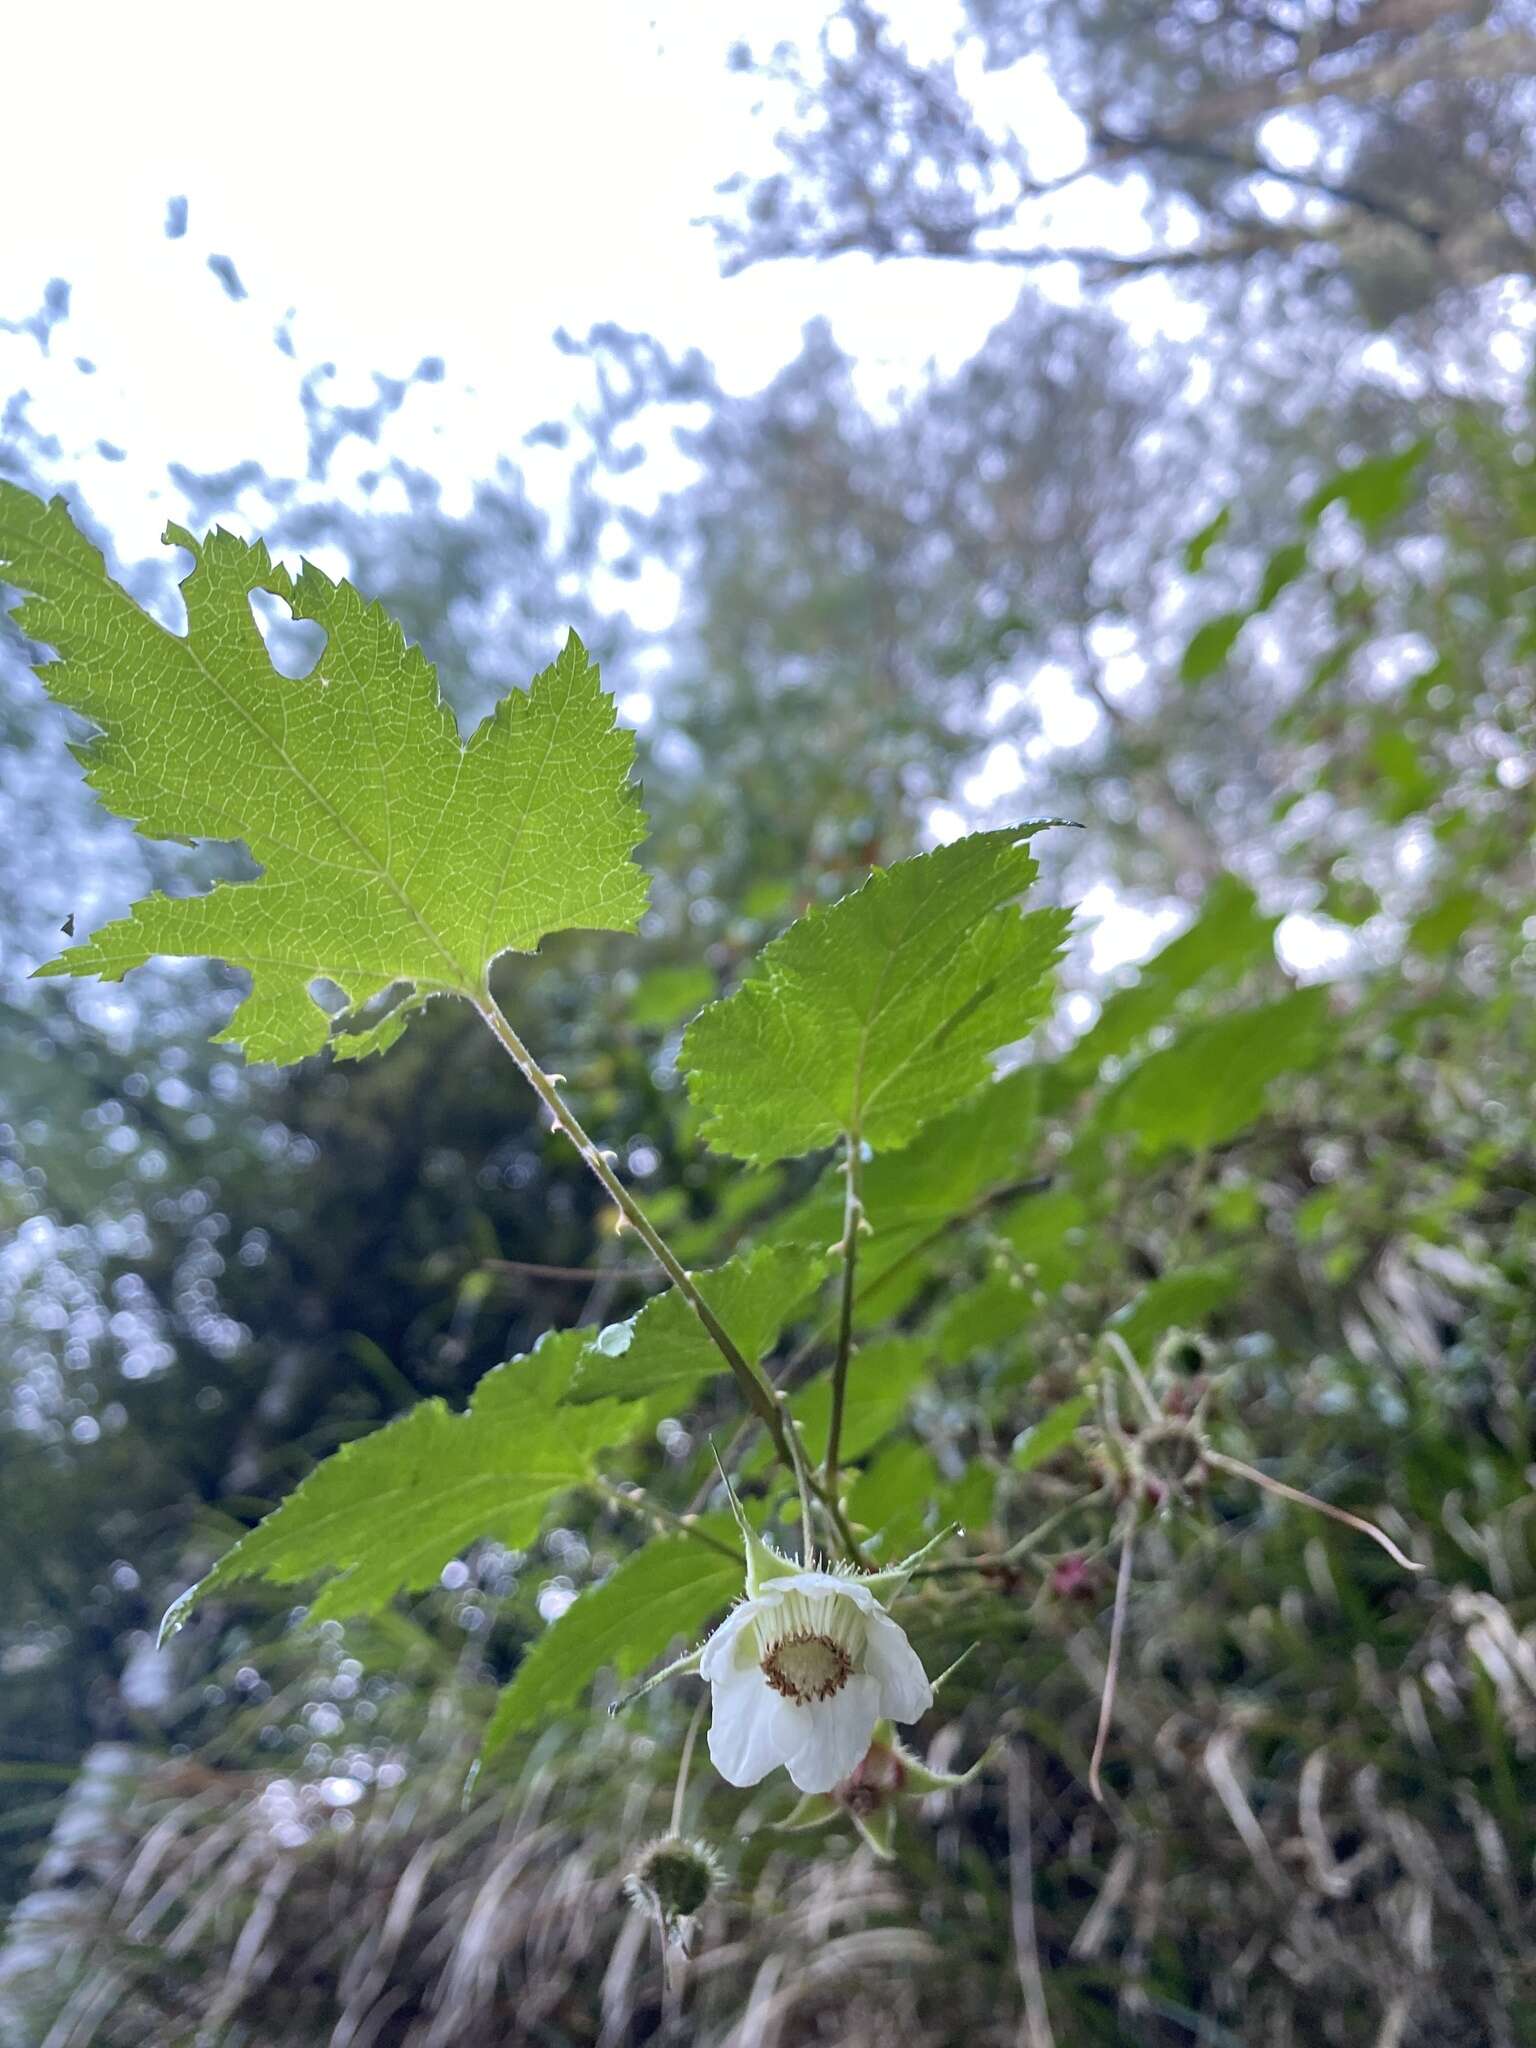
column 1310, row 1500
column 1112, row 1668
column 1037, row 1184
column 853, row 1224
column 641, row 1504
column 751, row 1383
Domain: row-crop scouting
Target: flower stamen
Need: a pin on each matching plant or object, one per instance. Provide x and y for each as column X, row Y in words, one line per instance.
column 806, row 1667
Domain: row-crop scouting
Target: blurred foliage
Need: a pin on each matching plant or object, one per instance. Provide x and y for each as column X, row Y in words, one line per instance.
column 1293, row 618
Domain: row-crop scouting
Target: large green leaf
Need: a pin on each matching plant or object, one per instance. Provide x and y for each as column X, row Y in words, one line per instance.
column 1227, row 938
column 389, row 1511
column 1212, row 1081
column 874, row 1015
column 390, row 850
column 664, row 1352
column 668, row 1589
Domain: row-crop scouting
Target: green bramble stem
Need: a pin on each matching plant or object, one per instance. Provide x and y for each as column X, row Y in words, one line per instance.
column 853, row 1223
column 753, row 1388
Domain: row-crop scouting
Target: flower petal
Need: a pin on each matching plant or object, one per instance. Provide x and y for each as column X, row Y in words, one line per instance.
column 747, row 1733
column 818, row 1585
column 831, row 1736
column 891, row 1661
column 718, row 1655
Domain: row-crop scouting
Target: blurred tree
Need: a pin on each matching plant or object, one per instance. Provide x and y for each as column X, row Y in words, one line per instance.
column 1403, row 171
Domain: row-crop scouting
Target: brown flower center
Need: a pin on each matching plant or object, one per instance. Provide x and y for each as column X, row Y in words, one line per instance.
column 807, row 1667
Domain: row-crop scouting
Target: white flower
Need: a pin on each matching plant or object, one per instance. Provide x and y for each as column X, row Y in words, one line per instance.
column 800, row 1673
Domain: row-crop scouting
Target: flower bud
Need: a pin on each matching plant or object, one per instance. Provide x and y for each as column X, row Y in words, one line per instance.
column 878, row 1777
column 1181, row 1355
column 1073, row 1578
column 671, row 1881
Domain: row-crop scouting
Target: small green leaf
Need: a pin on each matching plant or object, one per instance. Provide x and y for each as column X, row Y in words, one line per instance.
column 1051, row 1434
column 670, row 1588
column 1210, row 645
column 1199, row 546
column 1228, row 937
column 1282, row 569
column 877, row 1014
column 387, row 1512
column 1372, row 491
column 391, row 851
column 1211, row 1083
column 665, row 1353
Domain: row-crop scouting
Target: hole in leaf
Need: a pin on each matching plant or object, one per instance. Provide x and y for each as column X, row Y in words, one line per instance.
column 295, row 645
column 328, row 995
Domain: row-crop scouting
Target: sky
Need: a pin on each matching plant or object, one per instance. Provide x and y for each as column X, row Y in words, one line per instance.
column 387, row 194
column 459, row 194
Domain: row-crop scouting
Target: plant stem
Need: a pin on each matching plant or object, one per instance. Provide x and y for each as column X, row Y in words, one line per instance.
column 680, row 1790
column 1026, row 1544
column 753, row 1387
column 1112, row 1667
column 1310, row 1500
column 641, row 1504
column 853, row 1224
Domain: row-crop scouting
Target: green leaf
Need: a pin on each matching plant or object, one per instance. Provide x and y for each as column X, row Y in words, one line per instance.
column 984, row 1319
column 893, row 1495
column 876, row 1014
column 664, row 1352
column 1210, row 645
column 390, row 850
column 1183, row 1300
column 1440, row 928
column 1199, row 546
column 669, row 1589
column 1406, row 784
column 1281, row 570
column 1372, row 491
column 668, row 994
column 1227, row 938
column 1212, row 1081
column 1048, row 1231
column 984, row 1144
column 1051, row 1434
column 882, row 1377
column 389, row 1511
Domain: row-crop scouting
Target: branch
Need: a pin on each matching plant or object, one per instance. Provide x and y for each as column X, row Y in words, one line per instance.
column 754, row 1388
column 529, row 1270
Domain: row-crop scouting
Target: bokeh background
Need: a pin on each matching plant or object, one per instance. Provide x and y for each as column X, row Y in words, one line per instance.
column 931, row 418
